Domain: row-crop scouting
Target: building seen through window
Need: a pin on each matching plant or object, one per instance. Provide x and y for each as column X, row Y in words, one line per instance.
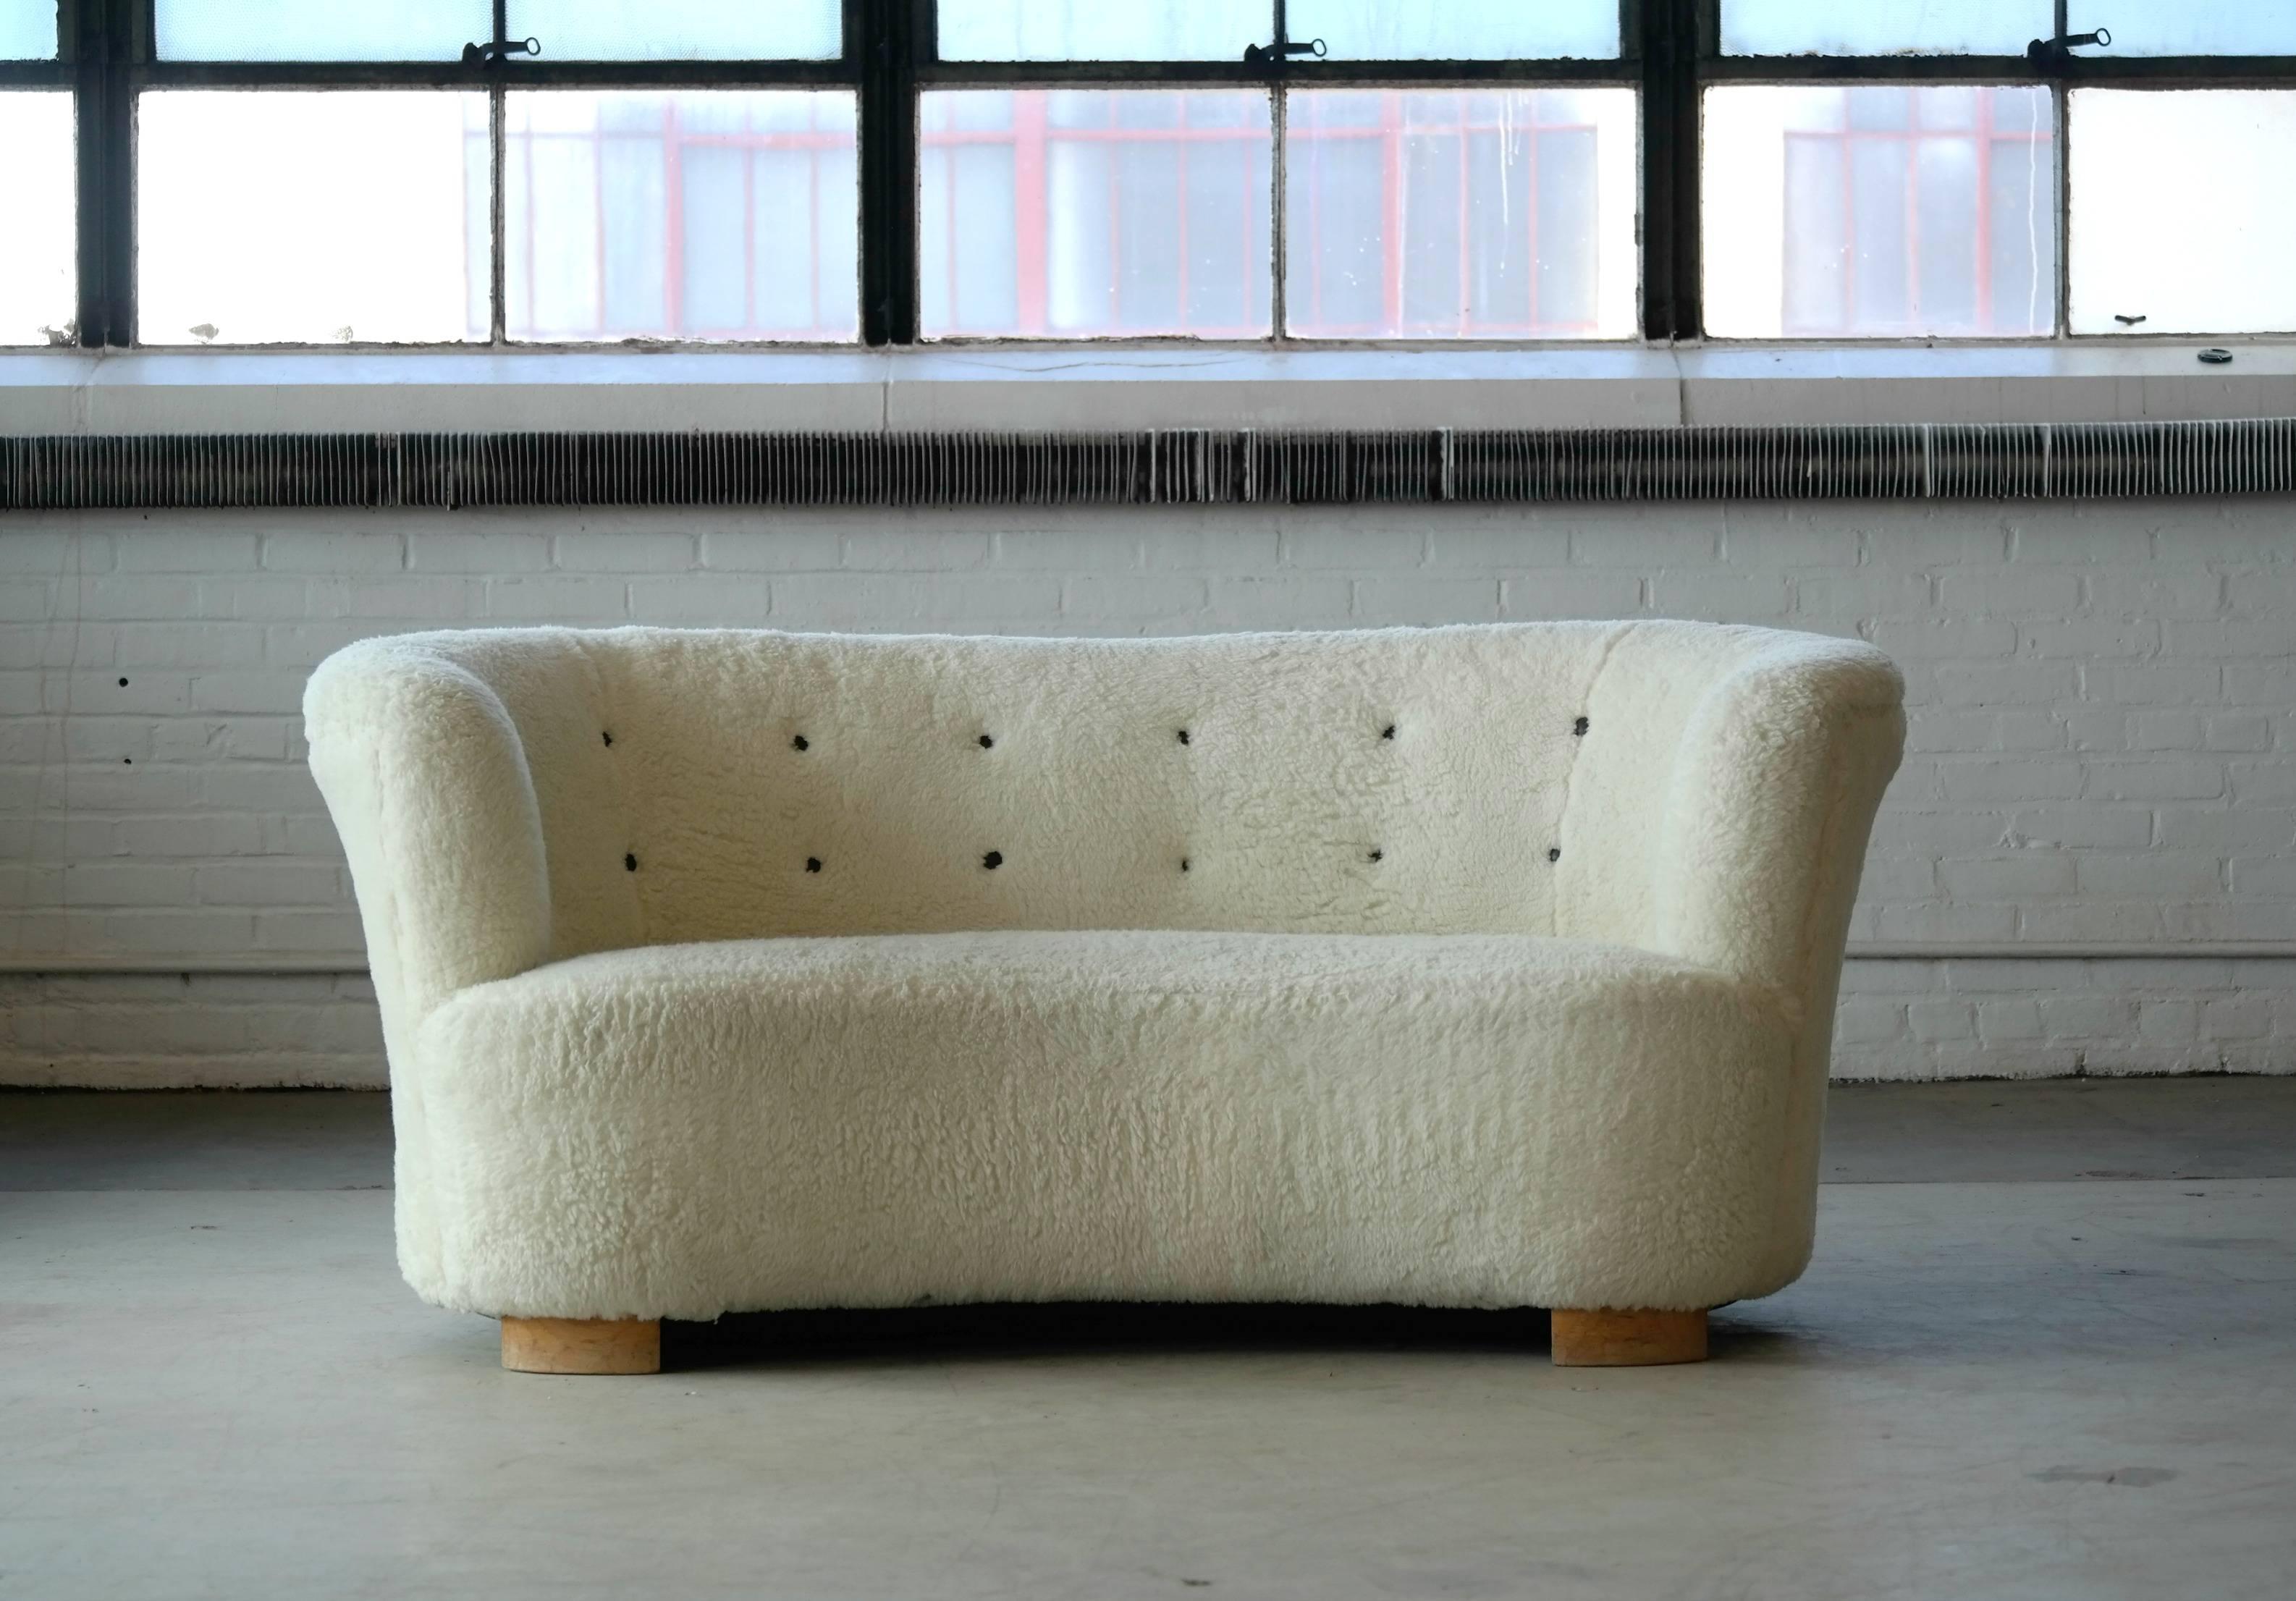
column 718, row 214
column 1880, row 210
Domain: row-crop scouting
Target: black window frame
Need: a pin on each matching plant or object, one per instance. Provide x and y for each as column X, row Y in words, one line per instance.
column 1669, row 51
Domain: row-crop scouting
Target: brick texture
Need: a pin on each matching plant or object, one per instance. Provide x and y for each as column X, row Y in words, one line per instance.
column 2103, row 740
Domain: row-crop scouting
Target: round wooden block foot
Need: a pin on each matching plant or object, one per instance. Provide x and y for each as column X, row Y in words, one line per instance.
column 1629, row 1339
column 581, row 1345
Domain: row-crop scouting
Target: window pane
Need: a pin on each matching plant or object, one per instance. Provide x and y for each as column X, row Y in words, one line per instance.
column 27, row 30
column 1098, row 212
column 296, row 31
column 1412, row 30
column 663, row 30
column 1098, row 30
column 1878, row 211
column 2215, row 258
column 2192, row 27
column 717, row 214
column 266, row 216
column 1461, row 214
column 1885, row 27
column 37, row 266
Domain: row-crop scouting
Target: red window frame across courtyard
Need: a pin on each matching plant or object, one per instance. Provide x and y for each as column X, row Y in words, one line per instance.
column 1391, row 132
column 1984, row 132
column 1030, row 135
column 676, row 143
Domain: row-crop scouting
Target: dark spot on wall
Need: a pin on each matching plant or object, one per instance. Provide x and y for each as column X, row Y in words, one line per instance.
column 1183, row 736
column 813, row 864
column 800, row 743
column 123, row 683
column 1184, row 863
column 1555, row 853
column 1378, row 855
column 1580, row 727
column 608, row 737
column 995, row 859
column 1388, row 732
column 630, row 863
column 986, row 741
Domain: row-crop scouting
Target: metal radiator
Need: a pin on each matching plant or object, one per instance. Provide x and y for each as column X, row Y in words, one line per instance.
column 1179, row 466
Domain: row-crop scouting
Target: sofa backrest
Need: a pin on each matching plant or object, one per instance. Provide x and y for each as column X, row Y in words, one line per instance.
column 1458, row 779
column 707, row 785
column 1549, row 779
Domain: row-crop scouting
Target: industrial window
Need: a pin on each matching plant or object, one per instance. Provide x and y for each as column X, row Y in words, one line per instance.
column 551, row 172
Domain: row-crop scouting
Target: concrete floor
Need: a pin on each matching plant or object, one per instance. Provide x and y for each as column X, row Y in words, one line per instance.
column 2047, row 1350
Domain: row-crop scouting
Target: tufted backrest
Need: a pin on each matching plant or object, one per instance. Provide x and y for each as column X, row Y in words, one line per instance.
column 720, row 785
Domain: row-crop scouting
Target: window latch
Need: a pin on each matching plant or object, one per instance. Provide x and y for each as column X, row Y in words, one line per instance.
column 1265, row 55
column 2049, row 51
column 495, row 50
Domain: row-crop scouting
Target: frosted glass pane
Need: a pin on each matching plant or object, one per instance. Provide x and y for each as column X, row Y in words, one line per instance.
column 37, row 267
column 1885, row 210
column 296, row 31
column 1468, row 30
column 2191, row 28
column 2168, row 219
column 1885, row 27
column 1071, row 213
column 27, row 30
column 1102, row 30
column 675, row 30
column 270, row 216
column 710, row 215
column 1461, row 214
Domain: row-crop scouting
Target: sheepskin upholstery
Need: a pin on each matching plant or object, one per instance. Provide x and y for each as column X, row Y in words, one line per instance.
column 1482, row 966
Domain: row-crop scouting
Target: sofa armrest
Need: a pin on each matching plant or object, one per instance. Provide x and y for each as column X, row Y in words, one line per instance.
column 1772, row 797
column 426, row 778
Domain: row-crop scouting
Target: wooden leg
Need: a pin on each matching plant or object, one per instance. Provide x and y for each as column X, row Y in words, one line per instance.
column 1632, row 1338
column 581, row 1345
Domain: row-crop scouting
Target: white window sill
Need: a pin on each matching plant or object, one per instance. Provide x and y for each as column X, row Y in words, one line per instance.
column 1090, row 387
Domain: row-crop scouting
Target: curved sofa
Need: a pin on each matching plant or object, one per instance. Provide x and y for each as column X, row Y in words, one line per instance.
column 1476, row 966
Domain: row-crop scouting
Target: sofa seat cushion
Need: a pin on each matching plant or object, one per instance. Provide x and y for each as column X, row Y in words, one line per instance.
column 1451, row 1120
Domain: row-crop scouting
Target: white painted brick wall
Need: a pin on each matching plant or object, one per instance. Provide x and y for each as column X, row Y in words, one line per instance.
column 2102, row 739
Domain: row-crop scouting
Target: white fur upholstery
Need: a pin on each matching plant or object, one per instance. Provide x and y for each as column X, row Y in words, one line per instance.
column 1385, row 982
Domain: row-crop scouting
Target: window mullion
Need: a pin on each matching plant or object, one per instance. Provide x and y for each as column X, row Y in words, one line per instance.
column 2061, row 103
column 497, row 214
column 104, row 41
column 1672, row 37
column 1279, row 240
column 884, row 41
column 498, row 171
column 132, row 46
